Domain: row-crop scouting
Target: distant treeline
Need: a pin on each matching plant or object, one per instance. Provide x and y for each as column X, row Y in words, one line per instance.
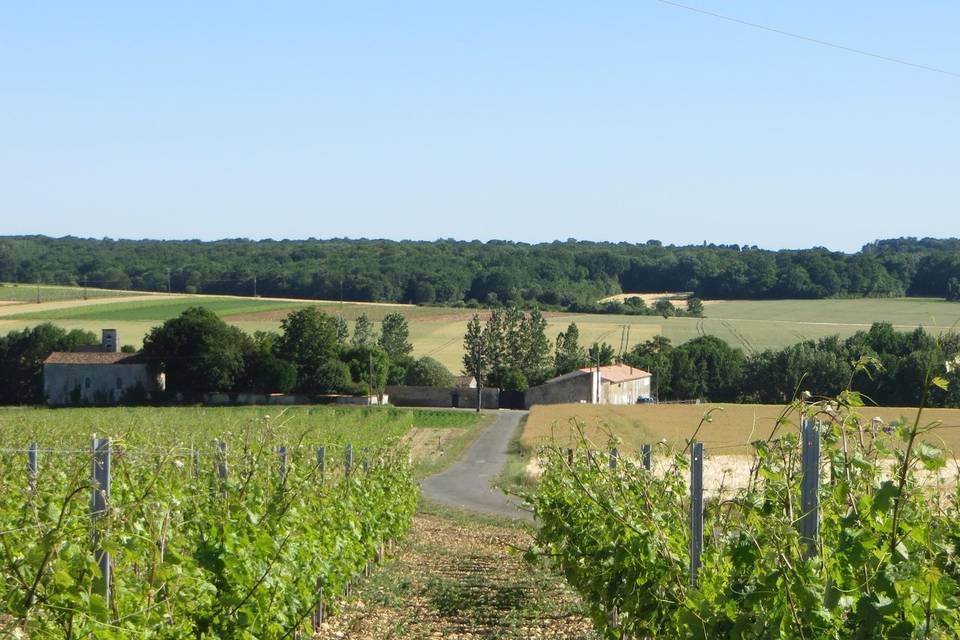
column 900, row 368
column 567, row 274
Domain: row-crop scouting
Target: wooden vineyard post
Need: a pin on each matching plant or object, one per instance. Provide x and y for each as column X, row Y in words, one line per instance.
column 613, row 614
column 348, row 458
column 32, row 469
column 221, row 460
column 696, row 510
column 282, row 456
column 101, row 497
column 322, row 461
column 646, row 454
column 810, row 487
column 318, row 611
column 569, row 457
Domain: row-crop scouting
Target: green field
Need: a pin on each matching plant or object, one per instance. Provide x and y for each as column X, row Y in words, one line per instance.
column 143, row 426
column 19, row 292
column 438, row 331
column 156, row 311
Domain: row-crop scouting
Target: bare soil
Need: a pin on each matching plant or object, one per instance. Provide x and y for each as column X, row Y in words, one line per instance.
column 461, row 578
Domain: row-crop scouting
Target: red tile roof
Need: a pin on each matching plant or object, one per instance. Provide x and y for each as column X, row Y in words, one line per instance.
column 619, row 373
column 94, row 357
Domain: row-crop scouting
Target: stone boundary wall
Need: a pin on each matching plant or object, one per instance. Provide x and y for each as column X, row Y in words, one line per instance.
column 575, row 389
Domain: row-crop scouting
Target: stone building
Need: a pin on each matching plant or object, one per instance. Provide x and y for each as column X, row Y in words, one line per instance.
column 612, row 384
column 100, row 375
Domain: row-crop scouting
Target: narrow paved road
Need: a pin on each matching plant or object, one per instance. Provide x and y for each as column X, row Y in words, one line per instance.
column 466, row 484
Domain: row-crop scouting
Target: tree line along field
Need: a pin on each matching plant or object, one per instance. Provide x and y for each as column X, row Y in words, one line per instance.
column 560, row 275
column 438, row 331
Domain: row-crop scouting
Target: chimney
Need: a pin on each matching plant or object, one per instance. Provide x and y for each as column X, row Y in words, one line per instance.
column 109, row 342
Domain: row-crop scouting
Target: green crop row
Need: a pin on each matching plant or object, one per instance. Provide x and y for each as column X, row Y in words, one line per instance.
column 194, row 555
column 198, row 426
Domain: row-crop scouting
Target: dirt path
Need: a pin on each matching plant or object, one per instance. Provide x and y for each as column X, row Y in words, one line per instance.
column 466, row 484
column 458, row 577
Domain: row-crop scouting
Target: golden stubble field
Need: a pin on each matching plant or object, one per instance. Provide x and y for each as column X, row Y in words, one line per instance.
column 726, row 437
column 732, row 427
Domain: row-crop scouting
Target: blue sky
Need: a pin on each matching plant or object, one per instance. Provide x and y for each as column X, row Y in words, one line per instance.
column 526, row 121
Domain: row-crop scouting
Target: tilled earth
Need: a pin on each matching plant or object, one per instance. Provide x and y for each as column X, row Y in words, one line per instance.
column 462, row 579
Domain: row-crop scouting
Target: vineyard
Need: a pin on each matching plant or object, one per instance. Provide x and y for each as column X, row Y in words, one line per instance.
column 206, row 529
column 850, row 532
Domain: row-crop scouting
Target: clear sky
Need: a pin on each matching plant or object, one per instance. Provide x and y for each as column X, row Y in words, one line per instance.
column 515, row 120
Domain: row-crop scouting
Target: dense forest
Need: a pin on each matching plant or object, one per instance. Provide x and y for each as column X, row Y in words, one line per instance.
column 568, row 274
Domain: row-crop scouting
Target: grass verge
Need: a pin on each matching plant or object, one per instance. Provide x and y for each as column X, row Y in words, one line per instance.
column 450, row 447
column 514, row 479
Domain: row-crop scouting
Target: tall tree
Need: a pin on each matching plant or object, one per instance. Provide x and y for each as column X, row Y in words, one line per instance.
column 654, row 356
column 395, row 336
column 600, row 354
column 343, row 330
column 363, row 332
column 495, row 348
column 428, row 372
column 953, row 290
column 695, row 307
column 664, row 307
column 718, row 368
column 474, row 356
column 309, row 341
column 569, row 354
column 369, row 366
column 535, row 348
column 198, row 352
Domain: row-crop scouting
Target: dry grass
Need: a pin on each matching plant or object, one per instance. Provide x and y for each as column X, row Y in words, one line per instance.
column 730, row 431
column 726, row 437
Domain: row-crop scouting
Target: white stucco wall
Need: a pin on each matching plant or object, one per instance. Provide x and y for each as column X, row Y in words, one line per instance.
column 626, row 392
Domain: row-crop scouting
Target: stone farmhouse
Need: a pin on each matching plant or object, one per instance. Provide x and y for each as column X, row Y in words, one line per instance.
column 612, row 384
column 100, row 375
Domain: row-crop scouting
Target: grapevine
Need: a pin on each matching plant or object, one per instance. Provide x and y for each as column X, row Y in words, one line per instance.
column 194, row 555
column 885, row 566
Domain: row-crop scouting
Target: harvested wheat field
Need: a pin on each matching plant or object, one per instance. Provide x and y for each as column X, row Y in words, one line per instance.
column 731, row 429
column 461, row 578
